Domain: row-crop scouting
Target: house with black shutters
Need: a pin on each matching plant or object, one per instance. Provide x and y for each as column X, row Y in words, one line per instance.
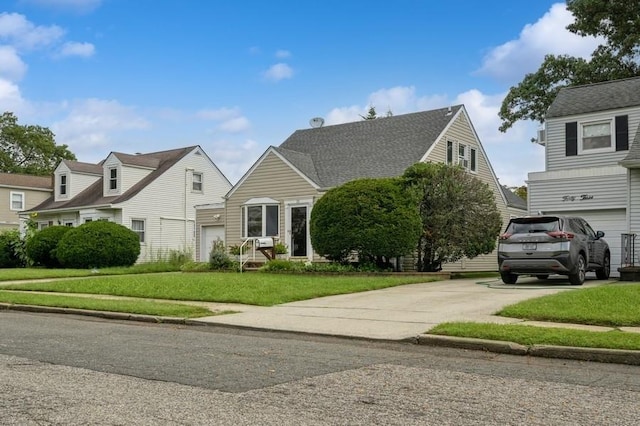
column 592, row 160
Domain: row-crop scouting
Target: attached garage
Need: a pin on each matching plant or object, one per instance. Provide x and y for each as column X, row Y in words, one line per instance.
column 612, row 222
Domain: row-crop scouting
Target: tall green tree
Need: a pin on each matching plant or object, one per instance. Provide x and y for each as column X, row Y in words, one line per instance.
column 29, row 149
column 459, row 214
column 375, row 218
column 617, row 21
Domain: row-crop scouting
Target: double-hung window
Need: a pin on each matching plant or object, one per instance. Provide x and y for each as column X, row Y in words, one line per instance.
column 260, row 220
column 596, row 136
column 196, row 185
column 467, row 157
column 63, row 185
column 450, row 152
column 138, row 226
column 17, row 201
column 113, row 178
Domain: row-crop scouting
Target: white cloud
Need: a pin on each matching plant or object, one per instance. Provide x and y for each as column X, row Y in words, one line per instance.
column 278, row 72
column 230, row 120
column 73, row 48
column 89, row 123
column 511, row 60
column 283, row 54
column 10, row 97
column 11, row 66
column 23, row 34
column 81, row 6
column 235, row 158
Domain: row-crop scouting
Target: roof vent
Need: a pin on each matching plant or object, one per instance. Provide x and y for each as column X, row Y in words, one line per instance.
column 448, row 112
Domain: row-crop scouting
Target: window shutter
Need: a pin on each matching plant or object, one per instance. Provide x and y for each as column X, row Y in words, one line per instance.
column 571, row 134
column 622, row 133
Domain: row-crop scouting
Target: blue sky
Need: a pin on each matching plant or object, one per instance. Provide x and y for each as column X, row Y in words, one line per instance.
column 238, row 76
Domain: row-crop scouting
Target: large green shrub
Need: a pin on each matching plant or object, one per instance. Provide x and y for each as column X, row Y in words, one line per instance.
column 41, row 247
column 375, row 218
column 98, row 244
column 11, row 249
column 218, row 257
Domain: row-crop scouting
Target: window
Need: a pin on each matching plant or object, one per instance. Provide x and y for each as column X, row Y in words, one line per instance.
column 138, row 226
column 449, row 152
column 596, row 136
column 467, row 157
column 260, row 220
column 113, row 178
column 197, row 182
column 63, row 185
column 17, row 201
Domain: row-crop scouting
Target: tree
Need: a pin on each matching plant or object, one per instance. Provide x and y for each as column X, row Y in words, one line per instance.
column 374, row 217
column 521, row 191
column 458, row 211
column 617, row 21
column 371, row 114
column 29, row 149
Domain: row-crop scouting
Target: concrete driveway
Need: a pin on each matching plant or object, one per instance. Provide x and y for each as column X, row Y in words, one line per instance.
column 398, row 312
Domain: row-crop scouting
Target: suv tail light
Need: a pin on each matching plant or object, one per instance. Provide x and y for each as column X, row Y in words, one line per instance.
column 505, row 236
column 561, row 234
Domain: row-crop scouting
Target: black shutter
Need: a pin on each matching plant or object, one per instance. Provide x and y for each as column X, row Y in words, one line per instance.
column 622, row 133
column 571, row 134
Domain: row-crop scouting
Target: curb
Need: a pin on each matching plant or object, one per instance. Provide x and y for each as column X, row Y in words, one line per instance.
column 613, row 356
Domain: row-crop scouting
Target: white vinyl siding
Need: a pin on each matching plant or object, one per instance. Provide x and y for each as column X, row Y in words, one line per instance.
column 555, row 153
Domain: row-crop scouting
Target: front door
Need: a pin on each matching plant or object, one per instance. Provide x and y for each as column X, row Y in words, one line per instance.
column 298, row 237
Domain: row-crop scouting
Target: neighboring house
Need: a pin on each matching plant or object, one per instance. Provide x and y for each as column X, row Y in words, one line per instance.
column 276, row 196
column 592, row 159
column 153, row 194
column 18, row 193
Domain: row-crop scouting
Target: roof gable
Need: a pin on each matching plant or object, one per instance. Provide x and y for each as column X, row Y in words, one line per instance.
column 384, row 147
column 615, row 94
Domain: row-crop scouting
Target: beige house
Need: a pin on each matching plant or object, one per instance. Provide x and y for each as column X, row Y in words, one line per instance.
column 276, row 196
column 154, row 194
column 18, row 193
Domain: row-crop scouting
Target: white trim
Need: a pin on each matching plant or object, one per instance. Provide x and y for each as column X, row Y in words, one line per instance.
column 209, row 206
column 577, row 173
column 260, row 200
column 23, row 201
column 287, row 226
column 612, row 133
column 144, row 228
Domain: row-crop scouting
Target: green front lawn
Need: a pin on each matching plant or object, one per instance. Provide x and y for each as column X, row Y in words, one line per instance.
column 249, row 288
column 18, row 274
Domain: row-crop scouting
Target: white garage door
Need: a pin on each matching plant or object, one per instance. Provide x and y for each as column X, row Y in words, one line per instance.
column 613, row 223
column 208, row 235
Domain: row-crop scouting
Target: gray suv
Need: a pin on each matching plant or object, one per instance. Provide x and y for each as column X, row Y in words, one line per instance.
column 544, row 245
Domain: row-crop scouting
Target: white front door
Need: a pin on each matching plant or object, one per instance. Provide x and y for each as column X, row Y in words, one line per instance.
column 208, row 235
column 297, row 230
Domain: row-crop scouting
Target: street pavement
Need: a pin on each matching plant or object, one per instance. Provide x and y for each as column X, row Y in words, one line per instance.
column 406, row 313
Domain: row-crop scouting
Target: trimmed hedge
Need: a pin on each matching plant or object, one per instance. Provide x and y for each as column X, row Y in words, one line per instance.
column 41, row 247
column 98, row 244
column 10, row 242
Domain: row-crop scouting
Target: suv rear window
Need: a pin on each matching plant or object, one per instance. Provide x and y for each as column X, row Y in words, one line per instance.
column 525, row 225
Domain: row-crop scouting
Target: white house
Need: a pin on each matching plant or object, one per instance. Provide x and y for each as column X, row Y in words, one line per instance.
column 592, row 161
column 153, row 194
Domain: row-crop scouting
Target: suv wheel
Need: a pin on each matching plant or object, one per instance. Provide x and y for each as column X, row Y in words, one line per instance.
column 508, row 278
column 581, row 270
column 603, row 273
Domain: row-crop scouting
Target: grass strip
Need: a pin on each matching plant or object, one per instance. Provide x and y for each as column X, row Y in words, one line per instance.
column 531, row 335
column 17, row 274
column 612, row 305
column 250, row 288
column 142, row 307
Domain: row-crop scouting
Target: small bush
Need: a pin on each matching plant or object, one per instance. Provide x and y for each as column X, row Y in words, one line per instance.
column 41, row 247
column 98, row 244
column 11, row 249
column 219, row 259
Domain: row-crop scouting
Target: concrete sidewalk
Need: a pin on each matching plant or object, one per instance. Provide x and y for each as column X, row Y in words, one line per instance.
column 396, row 313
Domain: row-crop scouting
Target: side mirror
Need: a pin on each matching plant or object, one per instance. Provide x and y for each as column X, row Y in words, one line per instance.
column 599, row 234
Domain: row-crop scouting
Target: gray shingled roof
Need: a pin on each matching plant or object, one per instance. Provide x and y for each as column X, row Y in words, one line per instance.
column 18, row 180
column 89, row 168
column 513, row 200
column 384, row 147
column 633, row 156
column 595, row 97
column 92, row 196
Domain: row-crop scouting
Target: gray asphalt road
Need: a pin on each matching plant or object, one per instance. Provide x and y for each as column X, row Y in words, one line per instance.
column 74, row 370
